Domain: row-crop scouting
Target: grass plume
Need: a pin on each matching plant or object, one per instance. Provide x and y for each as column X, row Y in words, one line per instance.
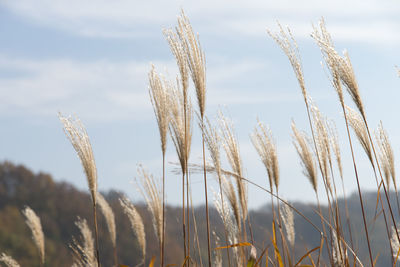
column 197, row 66
column 288, row 221
column 76, row 133
column 83, row 253
column 110, row 221
column 306, row 156
column 264, row 143
column 151, row 194
column 8, row 260
column 33, row 222
column 288, row 44
column 160, row 95
column 136, row 222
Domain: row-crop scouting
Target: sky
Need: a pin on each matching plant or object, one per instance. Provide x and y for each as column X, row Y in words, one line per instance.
column 91, row 58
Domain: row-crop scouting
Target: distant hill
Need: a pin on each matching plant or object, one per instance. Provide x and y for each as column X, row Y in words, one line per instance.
column 58, row 204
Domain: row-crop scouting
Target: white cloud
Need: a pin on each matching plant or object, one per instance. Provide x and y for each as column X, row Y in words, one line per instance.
column 351, row 20
column 97, row 90
column 107, row 90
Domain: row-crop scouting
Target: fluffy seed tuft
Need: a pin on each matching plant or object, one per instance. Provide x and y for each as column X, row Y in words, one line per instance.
column 33, row 222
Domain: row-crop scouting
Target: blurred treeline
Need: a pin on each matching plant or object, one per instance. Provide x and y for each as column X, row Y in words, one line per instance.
column 58, row 204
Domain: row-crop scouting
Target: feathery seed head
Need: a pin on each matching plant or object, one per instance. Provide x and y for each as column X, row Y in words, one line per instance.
column 232, row 151
column 340, row 67
column 217, row 252
column 33, row 222
column 109, row 216
column 152, row 195
column 76, row 133
column 289, row 46
column 159, row 91
column 195, row 58
column 306, row 156
column 84, row 253
column 225, row 212
column 322, row 142
column 8, row 260
column 177, row 126
column 339, row 253
column 136, row 223
column 264, row 143
column 212, row 140
column 178, row 50
column 348, row 78
column 394, row 241
column 356, row 122
column 288, row 221
column 386, row 155
column 334, row 140
column 229, row 190
column 331, row 57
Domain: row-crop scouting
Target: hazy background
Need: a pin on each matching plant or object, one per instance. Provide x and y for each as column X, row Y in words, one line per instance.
column 91, row 58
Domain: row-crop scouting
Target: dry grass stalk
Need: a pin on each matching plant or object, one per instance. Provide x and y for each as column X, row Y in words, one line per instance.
column 213, row 140
column 76, row 133
column 151, row 194
column 181, row 133
column 232, row 151
column 343, row 73
column 33, row 222
column 264, row 143
column 159, row 90
column 289, row 46
column 84, row 253
column 356, row 122
column 288, row 221
column 195, row 58
column 334, row 140
column 306, row 156
column 8, row 260
column 386, row 155
column 197, row 67
column 160, row 94
column 109, row 216
column 177, row 44
column 136, row 223
column 177, row 126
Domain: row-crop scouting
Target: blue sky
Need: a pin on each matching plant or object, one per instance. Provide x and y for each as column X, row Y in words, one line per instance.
column 91, row 58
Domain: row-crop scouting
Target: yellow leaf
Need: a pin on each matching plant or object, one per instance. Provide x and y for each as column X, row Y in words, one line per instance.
column 306, row 255
column 243, row 244
column 184, row 262
column 152, row 261
column 277, row 253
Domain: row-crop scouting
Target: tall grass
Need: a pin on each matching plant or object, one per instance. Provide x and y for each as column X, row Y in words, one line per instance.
column 319, row 155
